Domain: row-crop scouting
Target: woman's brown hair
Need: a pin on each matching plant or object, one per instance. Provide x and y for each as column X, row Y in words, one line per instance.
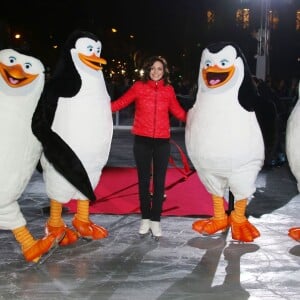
column 147, row 68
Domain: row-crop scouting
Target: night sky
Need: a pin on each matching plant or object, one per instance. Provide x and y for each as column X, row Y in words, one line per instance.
column 165, row 27
column 152, row 21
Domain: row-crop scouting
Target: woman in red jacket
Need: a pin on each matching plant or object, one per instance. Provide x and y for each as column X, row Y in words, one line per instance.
column 154, row 99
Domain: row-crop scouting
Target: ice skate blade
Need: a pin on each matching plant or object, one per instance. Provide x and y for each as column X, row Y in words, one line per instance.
column 156, row 238
column 45, row 257
column 213, row 235
column 143, row 235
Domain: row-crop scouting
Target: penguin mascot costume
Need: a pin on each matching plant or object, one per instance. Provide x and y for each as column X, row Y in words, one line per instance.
column 21, row 83
column 293, row 153
column 73, row 121
column 223, row 138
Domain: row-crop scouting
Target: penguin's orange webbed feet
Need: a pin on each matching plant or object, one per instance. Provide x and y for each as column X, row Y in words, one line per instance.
column 89, row 229
column 244, row 231
column 63, row 234
column 39, row 248
column 294, row 233
column 210, row 226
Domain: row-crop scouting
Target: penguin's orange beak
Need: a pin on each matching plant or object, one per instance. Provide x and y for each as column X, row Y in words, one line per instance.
column 92, row 61
column 215, row 77
column 15, row 76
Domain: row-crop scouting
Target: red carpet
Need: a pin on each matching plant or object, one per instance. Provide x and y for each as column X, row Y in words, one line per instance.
column 117, row 193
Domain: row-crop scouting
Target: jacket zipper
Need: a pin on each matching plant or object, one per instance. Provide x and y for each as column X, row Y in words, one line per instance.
column 155, row 109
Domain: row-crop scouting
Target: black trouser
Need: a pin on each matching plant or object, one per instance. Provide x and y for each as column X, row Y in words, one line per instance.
column 151, row 157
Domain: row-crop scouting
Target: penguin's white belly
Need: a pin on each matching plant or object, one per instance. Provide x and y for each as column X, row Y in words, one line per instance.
column 19, row 155
column 293, row 142
column 85, row 124
column 223, row 139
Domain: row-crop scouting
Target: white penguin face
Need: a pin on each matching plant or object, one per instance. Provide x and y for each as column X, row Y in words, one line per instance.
column 220, row 71
column 87, row 54
column 19, row 72
column 88, row 47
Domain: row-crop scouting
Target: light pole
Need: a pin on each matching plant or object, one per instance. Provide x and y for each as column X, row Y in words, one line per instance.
column 262, row 61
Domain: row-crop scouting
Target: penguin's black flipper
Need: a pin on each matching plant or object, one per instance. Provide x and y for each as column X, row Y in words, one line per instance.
column 268, row 119
column 66, row 162
column 254, row 95
column 59, row 154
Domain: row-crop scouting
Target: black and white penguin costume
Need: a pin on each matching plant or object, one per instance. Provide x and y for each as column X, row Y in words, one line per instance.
column 293, row 153
column 21, row 83
column 223, row 137
column 74, row 123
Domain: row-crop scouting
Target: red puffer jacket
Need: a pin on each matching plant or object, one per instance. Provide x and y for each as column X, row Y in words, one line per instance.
column 153, row 103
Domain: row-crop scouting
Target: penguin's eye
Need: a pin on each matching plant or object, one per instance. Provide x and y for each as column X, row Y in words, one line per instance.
column 12, row 59
column 207, row 63
column 90, row 49
column 224, row 63
column 27, row 66
column 98, row 50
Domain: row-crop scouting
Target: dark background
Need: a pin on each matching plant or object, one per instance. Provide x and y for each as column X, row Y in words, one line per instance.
column 176, row 29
